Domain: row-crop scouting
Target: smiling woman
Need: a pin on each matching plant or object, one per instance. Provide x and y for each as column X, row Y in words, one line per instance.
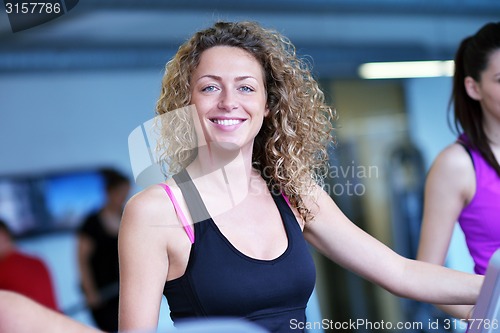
column 229, row 73
column 227, row 235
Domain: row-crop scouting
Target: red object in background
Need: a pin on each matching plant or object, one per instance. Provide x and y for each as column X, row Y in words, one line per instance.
column 28, row 276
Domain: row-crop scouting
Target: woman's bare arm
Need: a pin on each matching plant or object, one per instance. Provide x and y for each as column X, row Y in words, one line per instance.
column 333, row 234
column 20, row 314
column 144, row 262
column 449, row 187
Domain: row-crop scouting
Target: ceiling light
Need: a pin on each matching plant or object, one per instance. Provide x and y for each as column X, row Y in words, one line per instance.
column 406, row 69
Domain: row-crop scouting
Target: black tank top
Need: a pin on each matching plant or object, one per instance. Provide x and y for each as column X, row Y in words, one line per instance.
column 221, row 281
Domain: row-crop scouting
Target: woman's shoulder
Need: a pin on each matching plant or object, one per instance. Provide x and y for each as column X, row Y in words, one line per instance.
column 151, row 204
column 454, row 158
column 453, row 170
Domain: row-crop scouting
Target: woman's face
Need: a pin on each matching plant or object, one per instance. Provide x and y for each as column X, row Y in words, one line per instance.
column 488, row 89
column 228, row 91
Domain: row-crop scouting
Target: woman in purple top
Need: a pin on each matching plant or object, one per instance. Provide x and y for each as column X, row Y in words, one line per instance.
column 464, row 182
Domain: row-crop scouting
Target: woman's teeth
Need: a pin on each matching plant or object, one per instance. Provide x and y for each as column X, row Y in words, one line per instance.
column 226, row 122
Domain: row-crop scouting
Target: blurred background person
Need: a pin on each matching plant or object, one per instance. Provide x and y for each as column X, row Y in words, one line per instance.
column 98, row 252
column 23, row 273
column 464, row 182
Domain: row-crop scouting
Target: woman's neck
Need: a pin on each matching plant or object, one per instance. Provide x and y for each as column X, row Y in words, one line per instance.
column 492, row 130
column 213, row 158
column 222, row 177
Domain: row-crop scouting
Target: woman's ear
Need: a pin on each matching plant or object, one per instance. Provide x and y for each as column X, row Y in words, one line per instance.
column 472, row 88
column 266, row 111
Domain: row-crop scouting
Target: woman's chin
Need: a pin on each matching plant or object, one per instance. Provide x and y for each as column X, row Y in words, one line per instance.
column 229, row 146
column 225, row 145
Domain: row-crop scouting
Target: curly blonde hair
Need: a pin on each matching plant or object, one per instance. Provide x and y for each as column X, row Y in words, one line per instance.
column 290, row 150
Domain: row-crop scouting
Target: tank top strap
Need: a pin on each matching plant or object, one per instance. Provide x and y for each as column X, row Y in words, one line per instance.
column 178, row 211
column 464, row 142
column 195, row 203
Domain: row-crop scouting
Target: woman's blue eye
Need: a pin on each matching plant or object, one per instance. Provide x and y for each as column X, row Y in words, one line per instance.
column 246, row 89
column 208, row 89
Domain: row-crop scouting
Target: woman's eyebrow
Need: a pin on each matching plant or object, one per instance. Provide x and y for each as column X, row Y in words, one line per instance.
column 210, row 76
column 241, row 78
column 218, row 78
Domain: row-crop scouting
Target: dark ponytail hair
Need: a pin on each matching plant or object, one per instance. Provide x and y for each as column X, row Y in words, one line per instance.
column 472, row 59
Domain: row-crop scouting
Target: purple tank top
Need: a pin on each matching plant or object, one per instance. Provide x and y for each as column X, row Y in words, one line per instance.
column 480, row 219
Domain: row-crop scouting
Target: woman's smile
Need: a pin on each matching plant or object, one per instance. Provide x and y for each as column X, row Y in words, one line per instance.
column 227, row 124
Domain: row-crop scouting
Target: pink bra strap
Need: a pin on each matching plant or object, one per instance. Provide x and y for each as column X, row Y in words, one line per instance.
column 286, row 198
column 180, row 214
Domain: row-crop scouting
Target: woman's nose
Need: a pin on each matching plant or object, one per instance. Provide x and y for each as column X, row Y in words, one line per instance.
column 228, row 101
